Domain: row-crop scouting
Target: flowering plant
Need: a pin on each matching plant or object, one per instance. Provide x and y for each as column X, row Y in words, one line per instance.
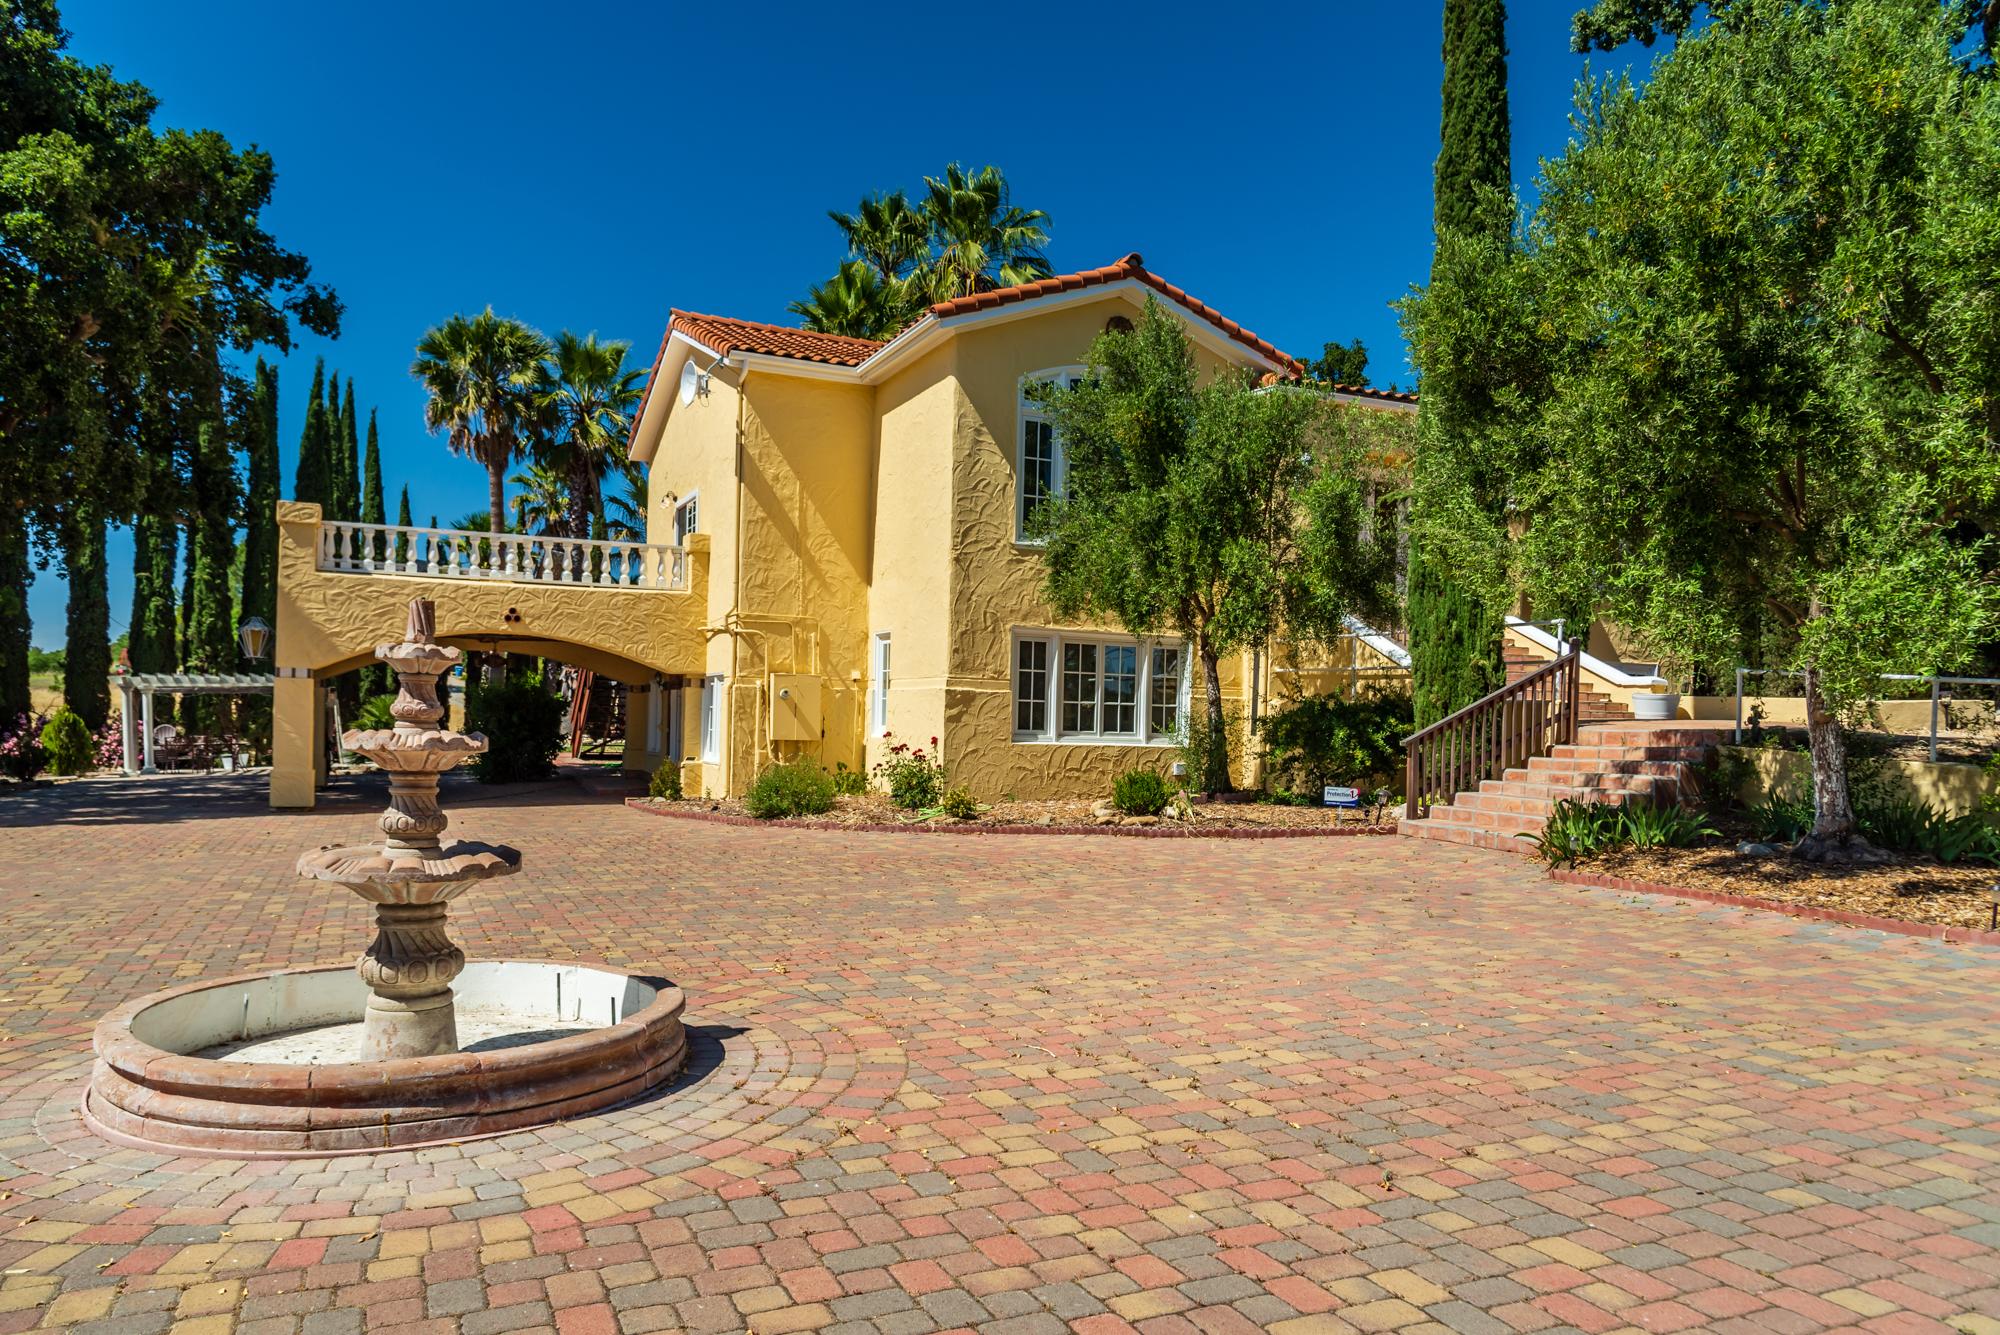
column 21, row 753
column 914, row 778
column 111, row 746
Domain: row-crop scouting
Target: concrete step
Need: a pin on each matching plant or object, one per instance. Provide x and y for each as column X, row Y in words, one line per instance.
column 1510, row 822
column 1465, row 834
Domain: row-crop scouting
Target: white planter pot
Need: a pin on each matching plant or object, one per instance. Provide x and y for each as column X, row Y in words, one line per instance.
column 1654, row 706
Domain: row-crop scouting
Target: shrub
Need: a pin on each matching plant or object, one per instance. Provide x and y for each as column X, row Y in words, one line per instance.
column 848, row 782
column 1577, row 830
column 67, row 741
column 959, row 803
column 1971, row 837
column 21, row 753
column 1781, row 820
column 913, row 779
column 523, row 727
column 110, row 743
column 1140, row 792
column 1897, row 821
column 1326, row 739
column 797, row 788
column 666, row 781
column 375, row 713
column 1197, row 747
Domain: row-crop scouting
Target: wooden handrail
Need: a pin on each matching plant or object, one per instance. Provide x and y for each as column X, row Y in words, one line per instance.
column 1529, row 717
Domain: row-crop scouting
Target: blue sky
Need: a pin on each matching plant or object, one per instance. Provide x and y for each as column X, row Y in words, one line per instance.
column 591, row 171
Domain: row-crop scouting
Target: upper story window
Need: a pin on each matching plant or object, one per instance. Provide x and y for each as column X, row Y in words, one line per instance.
column 686, row 515
column 1041, row 472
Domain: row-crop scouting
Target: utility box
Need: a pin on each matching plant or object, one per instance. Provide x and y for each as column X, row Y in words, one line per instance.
column 794, row 707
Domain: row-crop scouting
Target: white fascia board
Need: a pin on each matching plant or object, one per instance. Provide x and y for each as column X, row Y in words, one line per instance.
column 1592, row 664
column 794, row 366
column 918, row 338
column 664, row 393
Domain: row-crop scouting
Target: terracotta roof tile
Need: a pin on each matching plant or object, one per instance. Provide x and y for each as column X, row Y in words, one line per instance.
column 722, row 335
column 1132, row 267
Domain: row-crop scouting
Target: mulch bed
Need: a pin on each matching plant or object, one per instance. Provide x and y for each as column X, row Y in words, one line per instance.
column 1903, row 889
column 873, row 812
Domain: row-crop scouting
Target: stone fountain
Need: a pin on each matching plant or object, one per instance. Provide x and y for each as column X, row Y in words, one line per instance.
column 411, row 877
column 332, row 1059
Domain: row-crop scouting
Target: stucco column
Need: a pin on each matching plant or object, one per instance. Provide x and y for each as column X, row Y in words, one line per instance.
column 296, row 729
column 128, row 725
column 147, row 740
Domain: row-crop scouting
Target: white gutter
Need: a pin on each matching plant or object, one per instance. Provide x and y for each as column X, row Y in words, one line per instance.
column 1614, row 673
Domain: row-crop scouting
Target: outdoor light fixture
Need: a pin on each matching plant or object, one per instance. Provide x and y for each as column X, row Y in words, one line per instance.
column 255, row 637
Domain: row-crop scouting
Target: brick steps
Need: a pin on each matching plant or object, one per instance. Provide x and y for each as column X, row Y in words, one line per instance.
column 1592, row 706
column 1611, row 763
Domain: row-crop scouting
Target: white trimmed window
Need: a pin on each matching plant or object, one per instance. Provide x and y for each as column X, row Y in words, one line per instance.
column 711, row 719
column 1082, row 687
column 1041, row 471
column 878, row 686
column 686, row 516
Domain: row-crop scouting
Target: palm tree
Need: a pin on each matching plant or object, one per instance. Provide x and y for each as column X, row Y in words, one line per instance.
column 887, row 233
column 981, row 239
column 855, row 302
column 625, row 515
column 542, row 501
column 478, row 374
column 584, row 400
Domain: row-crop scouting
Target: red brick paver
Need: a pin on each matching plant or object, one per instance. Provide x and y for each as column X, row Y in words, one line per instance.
column 1030, row 1083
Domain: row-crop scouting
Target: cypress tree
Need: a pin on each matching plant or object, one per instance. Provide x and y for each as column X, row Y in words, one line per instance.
column 87, row 624
column 337, row 499
column 211, row 621
column 260, row 526
column 403, row 520
column 375, row 677
column 1455, row 637
column 151, row 645
column 314, row 479
column 15, row 575
column 347, row 457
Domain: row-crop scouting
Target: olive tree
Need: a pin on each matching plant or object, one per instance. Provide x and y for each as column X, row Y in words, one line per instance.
column 1225, row 512
column 1749, row 349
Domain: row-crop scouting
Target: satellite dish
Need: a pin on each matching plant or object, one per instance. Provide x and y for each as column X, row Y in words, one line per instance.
column 690, row 381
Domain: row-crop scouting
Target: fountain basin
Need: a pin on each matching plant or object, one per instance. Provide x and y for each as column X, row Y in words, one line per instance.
column 617, row 1035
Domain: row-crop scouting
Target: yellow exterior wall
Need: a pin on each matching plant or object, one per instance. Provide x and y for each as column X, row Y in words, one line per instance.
column 996, row 581
column 910, row 585
column 1951, row 787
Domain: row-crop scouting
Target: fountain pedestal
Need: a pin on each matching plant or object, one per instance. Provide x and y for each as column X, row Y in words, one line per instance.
column 412, row 876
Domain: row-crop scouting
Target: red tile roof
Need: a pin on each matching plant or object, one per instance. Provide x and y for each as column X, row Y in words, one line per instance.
column 1131, row 267
column 722, row 336
column 1370, row 392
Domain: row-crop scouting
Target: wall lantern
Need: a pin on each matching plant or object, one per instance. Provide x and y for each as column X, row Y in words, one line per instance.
column 255, row 637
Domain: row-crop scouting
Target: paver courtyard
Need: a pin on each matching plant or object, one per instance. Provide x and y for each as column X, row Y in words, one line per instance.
column 1019, row 1083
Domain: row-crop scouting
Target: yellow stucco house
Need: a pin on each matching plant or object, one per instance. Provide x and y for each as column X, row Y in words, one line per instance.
column 836, row 559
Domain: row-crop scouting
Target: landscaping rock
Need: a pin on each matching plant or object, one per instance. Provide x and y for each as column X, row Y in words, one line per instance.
column 1142, row 820
column 1756, row 850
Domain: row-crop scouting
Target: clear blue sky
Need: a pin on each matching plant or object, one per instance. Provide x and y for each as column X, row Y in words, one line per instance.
column 587, row 168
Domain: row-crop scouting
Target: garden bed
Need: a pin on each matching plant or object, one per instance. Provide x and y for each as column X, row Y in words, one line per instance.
column 1903, row 889
column 873, row 812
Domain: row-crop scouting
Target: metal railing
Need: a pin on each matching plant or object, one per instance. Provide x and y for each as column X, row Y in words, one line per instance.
column 1529, row 717
column 1939, row 697
column 453, row 553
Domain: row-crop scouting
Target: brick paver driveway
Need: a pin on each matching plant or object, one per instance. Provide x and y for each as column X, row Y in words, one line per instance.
column 1018, row 1083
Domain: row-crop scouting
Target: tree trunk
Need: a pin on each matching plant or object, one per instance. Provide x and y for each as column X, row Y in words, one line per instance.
column 1833, row 833
column 87, row 635
column 15, row 575
column 1215, row 761
column 496, row 498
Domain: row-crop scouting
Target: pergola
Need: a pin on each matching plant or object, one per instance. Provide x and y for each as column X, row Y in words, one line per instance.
column 146, row 685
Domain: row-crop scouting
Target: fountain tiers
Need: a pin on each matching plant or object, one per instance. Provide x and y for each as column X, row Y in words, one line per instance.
column 412, row 876
column 408, row 1085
